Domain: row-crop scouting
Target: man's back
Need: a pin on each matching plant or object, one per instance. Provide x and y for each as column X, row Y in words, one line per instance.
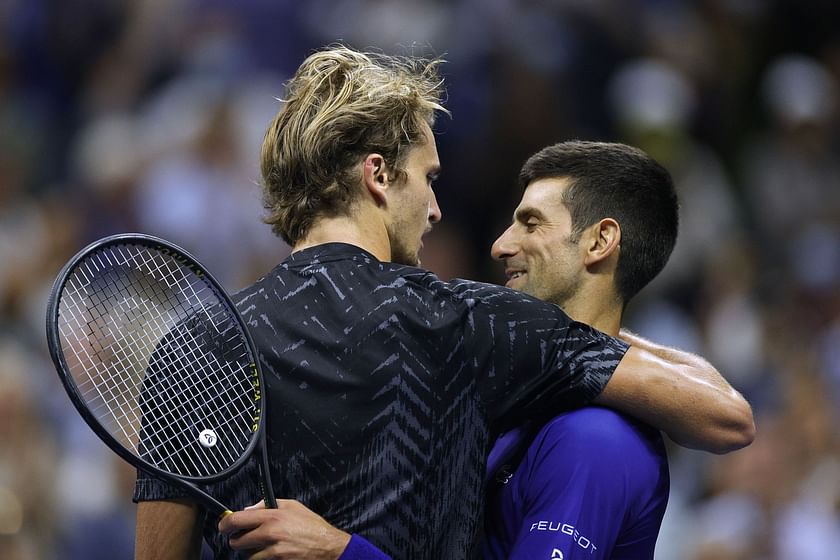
column 383, row 383
column 593, row 484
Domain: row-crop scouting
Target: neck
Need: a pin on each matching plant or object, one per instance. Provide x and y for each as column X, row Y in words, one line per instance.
column 599, row 309
column 370, row 235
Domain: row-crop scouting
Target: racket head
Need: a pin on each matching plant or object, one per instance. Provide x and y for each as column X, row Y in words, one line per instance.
column 157, row 361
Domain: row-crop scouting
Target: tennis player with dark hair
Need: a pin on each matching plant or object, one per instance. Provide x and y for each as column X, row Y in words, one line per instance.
column 596, row 223
column 386, row 384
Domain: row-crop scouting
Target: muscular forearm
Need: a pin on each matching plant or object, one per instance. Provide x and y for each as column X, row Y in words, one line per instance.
column 167, row 530
column 681, row 394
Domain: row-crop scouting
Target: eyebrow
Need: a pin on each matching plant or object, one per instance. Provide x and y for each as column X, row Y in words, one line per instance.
column 522, row 214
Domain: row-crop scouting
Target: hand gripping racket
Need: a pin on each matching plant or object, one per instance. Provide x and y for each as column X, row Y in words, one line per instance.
column 158, row 362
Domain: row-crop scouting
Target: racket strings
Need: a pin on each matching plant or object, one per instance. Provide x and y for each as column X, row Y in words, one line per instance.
column 125, row 348
column 170, row 430
column 159, row 361
column 129, row 350
column 182, row 393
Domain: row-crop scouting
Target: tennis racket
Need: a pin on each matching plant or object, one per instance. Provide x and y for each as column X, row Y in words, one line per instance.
column 158, row 362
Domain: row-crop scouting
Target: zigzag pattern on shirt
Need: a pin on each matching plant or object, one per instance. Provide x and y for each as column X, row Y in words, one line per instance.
column 383, row 384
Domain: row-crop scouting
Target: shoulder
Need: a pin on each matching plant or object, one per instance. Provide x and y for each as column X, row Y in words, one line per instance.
column 469, row 295
column 457, row 288
column 600, row 434
column 502, row 304
column 600, row 453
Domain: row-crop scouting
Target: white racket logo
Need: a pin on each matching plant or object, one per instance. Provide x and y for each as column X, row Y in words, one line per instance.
column 207, row 438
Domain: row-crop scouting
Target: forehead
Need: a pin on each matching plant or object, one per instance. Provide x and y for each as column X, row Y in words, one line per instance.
column 544, row 196
column 425, row 153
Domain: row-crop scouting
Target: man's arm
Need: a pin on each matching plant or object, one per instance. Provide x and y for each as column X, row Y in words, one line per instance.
column 680, row 393
column 167, row 530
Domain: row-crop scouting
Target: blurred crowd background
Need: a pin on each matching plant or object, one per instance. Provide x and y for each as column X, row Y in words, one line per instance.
column 147, row 115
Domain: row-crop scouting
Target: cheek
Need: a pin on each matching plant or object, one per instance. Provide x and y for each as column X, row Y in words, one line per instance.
column 559, row 265
column 421, row 207
column 543, row 253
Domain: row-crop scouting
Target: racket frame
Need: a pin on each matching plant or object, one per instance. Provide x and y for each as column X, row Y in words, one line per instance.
column 188, row 483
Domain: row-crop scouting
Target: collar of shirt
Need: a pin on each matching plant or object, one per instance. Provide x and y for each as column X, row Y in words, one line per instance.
column 326, row 252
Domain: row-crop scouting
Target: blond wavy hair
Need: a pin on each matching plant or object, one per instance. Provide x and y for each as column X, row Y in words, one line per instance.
column 341, row 105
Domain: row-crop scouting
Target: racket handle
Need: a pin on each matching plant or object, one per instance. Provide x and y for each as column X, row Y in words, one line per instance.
column 266, row 485
column 213, row 506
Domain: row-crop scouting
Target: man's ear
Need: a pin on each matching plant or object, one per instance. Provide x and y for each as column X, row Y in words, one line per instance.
column 603, row 240
column 376, row 177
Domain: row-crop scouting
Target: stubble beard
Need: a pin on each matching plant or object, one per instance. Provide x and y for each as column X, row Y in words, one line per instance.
column 555, row 288
column 400, row 254
column 406, row 261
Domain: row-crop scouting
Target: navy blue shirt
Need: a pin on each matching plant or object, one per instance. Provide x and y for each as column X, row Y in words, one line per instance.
column 593, row 485
column 384, row 386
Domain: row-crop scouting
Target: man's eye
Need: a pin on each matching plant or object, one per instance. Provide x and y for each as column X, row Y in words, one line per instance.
column 531, row 226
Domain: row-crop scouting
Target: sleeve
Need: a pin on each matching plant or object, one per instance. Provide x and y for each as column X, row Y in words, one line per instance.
column 531, row 359
column 148, row 488
column 360, row 549
column 581, row 483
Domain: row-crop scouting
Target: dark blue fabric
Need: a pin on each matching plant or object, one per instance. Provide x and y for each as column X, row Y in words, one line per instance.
column 360, row 549
column 593, row 485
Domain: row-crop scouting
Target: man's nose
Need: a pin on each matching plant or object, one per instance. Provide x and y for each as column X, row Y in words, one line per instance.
column 503, row 247
column 435, row 215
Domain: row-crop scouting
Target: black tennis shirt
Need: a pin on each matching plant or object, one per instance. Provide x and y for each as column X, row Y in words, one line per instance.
column 384, row 386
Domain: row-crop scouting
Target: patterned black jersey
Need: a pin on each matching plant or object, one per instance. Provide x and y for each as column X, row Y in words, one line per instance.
column 385, row 384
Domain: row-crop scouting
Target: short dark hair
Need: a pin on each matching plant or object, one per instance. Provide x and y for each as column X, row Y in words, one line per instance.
column 611, row 180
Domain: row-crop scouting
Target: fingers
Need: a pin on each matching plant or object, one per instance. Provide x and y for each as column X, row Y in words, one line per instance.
column 290, row 531
column 244, row 520
column 250, row 517
column 256, row 527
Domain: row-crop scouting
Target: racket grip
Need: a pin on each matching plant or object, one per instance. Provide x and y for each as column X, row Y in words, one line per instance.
column 214, row 508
